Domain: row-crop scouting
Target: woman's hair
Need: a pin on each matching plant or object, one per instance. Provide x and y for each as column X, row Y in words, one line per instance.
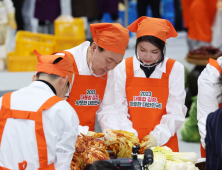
column 160, row 44
column 100, row 165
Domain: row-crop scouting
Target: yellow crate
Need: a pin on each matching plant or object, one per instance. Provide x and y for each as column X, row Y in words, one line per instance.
column 18, row 63
column 67, row 43
column 69, row 27
column 27, row 42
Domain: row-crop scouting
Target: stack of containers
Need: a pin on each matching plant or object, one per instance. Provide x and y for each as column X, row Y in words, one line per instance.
column 23, row 58
column 69, row 32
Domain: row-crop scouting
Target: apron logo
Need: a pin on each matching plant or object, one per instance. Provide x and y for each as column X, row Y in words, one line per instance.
column 89, row 99
column 145, row 99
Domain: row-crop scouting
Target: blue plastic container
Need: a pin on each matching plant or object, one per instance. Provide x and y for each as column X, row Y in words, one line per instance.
column 107, row 18
column 149, row 11
column 168, row 10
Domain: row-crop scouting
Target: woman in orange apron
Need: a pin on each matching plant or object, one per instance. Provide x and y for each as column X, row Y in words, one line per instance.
column 150, row 91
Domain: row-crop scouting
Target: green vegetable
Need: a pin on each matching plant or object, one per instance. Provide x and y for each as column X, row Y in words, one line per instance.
column 189, row 130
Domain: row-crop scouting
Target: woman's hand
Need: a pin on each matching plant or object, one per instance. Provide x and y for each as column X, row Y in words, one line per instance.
column 148, row 142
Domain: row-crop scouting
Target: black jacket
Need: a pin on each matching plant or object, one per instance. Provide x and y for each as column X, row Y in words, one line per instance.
column 213, row 141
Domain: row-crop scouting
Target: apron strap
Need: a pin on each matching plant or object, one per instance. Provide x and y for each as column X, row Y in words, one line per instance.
column 40, row 136
column 215, row 64
column 6, row 113
column 49, row 103
column 6, row 100
column 169, row 66
column 129, row 67
column 130, row 71
column 2, row 168
column 22, row 165
column 75, row 69
column 3, row 112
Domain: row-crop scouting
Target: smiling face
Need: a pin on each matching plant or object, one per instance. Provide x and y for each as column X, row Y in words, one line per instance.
column 103, row 61
column 148, row 53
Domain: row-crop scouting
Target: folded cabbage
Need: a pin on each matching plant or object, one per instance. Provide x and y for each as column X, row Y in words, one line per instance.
column 183, row 156
column 175, row 165
column 159, row 162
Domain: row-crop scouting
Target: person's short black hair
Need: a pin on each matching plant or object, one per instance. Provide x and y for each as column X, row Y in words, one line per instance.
column 160, row 44
column 52, row 76
column 100, row 48
column 100, row 165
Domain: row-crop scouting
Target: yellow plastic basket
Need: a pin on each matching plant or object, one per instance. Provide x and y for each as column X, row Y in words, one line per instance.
column 69, row 27
column 18, row 63
column 27, row 42
column 67, row 43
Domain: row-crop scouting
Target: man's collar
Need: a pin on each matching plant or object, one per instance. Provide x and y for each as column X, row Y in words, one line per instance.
column 50, row 86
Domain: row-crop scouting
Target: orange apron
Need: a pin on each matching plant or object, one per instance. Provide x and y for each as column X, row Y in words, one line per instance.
column 86, row 95
column 202, row 15
column 147, row 99
column 6, row 113
column 215, row 64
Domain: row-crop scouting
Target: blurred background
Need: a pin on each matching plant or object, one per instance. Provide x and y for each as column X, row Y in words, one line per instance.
column 54, row 25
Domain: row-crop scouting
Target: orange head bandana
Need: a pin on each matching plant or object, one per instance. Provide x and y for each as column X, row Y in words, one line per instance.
column 63, row 68
column 111, row 37
column 160, row 28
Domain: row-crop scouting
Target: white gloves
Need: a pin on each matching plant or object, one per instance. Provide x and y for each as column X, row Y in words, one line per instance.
column 83, row 129
column 148, row 142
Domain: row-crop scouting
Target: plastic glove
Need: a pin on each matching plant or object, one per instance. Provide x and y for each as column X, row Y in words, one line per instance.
column 152, row 142
column 11, row 20
column 83, row 129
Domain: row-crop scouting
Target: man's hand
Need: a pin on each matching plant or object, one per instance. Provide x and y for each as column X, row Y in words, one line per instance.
column 152, row 142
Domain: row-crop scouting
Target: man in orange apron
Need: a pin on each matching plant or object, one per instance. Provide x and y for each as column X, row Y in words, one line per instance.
column 151, row 101
column 93, row 86
column 207, row 98
column 202, row 14
column 38, row 129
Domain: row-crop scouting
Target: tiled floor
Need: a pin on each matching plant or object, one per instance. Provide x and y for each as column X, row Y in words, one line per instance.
column 176, row 48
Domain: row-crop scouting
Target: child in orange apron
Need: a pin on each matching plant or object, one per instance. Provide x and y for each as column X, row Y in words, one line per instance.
column 150, row 91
